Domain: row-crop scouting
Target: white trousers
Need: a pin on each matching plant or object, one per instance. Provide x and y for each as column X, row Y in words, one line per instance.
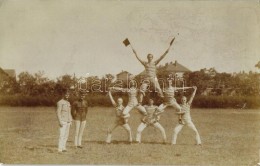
column 140, row 108
column 179, row 127
column 80, row 126
column 142, row 126
column 172, row 104
column 64, row 134
column 151, row 81
column 125, row 126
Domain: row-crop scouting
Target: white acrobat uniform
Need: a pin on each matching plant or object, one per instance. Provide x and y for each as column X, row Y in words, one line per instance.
column 169, row 100
column 187, row 120
column 152, row 118
column 120, row 121
column 150, row 78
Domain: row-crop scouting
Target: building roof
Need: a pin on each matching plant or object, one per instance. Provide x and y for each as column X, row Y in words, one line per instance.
column 10, row 72
column 3, row 73
column 124, row 75
column 176, row 67
column 123, row 72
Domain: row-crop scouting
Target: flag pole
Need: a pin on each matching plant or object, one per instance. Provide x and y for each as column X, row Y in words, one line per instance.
column 131, row 46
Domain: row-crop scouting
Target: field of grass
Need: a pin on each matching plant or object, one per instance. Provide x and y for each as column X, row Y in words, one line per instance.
column 229, row 137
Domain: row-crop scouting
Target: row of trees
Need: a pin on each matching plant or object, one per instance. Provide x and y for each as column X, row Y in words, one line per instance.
column 243, row 84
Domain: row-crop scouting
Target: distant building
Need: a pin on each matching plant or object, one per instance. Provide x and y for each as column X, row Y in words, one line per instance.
column 10, row 72
column 124, row 76
column 7, row 72
column 176, row 68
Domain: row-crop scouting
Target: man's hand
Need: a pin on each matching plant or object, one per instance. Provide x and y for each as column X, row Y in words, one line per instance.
column 194, row 87
column 172, row 41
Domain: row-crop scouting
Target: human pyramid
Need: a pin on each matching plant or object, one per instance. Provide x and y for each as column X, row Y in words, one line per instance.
column 150, row 112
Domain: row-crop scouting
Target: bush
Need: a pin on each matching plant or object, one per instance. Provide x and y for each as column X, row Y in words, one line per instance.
column 103, row 100
column 22, row 100
column 226, row 101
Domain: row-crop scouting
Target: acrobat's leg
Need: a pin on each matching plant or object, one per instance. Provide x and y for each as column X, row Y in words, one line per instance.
column 180, row 113
column 191, row 125
column 126, row 114
column 128, row 129
column 141, row 109
column 176, row 106
column 176, row 131
column 140, row 128
column 157, row 87
column 160, row 127
column 162, row 107
column 109, row 133
column 127, row 110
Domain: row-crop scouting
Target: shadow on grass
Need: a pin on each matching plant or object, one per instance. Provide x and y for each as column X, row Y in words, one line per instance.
column 115, row 142
column 123, row 142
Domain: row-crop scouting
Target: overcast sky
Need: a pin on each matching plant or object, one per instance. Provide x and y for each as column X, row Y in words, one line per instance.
column 73, row 36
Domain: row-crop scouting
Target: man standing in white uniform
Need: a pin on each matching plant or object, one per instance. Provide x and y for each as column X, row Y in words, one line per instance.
column 65, row 119
column 187, row 119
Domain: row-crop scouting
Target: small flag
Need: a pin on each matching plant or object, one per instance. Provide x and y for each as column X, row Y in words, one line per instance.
column 172, row 41
column 126, row 42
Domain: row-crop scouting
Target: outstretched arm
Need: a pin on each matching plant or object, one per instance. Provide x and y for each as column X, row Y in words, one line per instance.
column 137, row 57
column 166, row 52
column 193, row 95
column 158, row 60
column 183, row 88
column 119, row 89
column 112, row 99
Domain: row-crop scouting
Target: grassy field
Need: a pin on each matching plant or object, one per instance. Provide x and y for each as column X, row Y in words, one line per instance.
column 230, row 137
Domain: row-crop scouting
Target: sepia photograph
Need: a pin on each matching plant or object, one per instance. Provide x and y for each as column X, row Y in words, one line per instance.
column 130, row 82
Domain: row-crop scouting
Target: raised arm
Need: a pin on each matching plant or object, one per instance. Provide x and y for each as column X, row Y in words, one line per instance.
column 112, row 99
column 119, row 89
column 183, row 88
column 138, row 57
column 166, row 52
column 193, row 95
column 158, row 60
